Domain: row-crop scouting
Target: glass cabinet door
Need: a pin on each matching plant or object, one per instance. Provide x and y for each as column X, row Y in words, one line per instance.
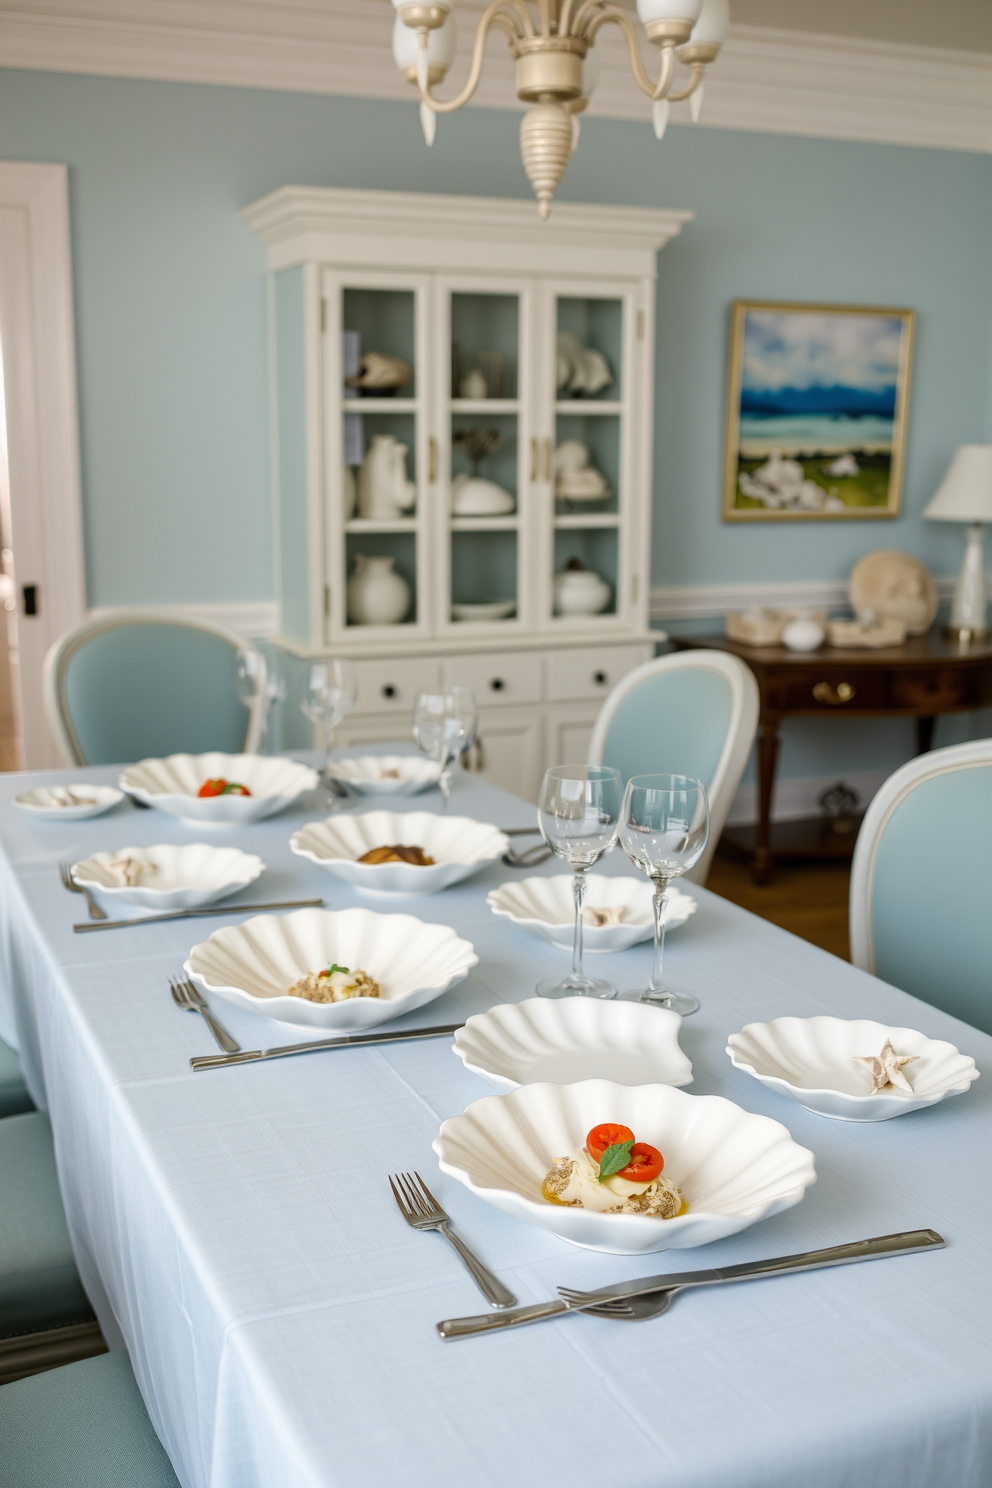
column 377, row 473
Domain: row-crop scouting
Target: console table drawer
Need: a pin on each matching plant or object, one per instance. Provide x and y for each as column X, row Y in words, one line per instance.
column 830, row 690
column 935, row 692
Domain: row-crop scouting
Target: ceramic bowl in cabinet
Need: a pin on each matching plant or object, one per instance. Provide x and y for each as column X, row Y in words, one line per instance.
column 458, row 845
column 172, row 784
column 545, row 907
column 387, row 774
column 814, row 1062
column 73, row 802
column 254, row 963
column 733, row 1167
column 574, row 1038
column 172, row 877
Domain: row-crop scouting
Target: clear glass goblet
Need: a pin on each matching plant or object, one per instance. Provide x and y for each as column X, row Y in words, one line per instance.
column 251, row 686
column 327, row 696
column 445, row 725
column 664, row 825
column 579, row 815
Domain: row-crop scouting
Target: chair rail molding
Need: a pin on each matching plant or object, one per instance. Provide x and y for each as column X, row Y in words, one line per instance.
column 254, row 619
column 41, row 475
column 711, row 601
column 771, row 80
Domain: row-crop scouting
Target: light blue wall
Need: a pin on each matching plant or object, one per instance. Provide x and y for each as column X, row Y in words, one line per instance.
column 171, row 305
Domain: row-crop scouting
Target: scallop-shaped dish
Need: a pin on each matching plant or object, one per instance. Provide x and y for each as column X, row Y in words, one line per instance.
column 387, row 774
column 73, row 802
column 567, row 1039
column 459, row 846
column 173, row 785
column 167, row 877
column 255, row 963
column 816, row 1062
column 545, row 907
column 733, row 1168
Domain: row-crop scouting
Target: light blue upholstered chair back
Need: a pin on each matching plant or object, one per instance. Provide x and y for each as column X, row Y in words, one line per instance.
column 135, row 684
column 921, row 882
column 688, row 713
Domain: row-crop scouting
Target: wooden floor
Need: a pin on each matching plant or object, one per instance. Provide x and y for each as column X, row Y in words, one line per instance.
column 810, row 899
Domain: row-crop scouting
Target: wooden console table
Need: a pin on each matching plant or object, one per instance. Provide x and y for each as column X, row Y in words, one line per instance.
column 922, row 679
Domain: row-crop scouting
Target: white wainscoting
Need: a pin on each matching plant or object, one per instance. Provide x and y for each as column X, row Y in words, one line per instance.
column 256, row 619
column 796, row 798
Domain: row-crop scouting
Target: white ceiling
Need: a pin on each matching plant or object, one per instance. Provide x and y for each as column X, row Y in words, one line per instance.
column 965, row 25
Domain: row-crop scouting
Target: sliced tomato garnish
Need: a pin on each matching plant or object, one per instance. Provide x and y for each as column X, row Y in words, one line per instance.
column 607, row 1135
column 213, row 787
column 646, row 1162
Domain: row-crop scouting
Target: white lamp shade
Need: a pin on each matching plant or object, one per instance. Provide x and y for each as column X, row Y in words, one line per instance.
column 441, row 43
column 965, row 493
column 590, row 72
column 669, row 10
column 713, row 25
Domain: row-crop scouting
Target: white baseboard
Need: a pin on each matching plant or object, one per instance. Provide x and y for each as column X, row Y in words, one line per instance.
column 795, row 799
column 705, row 601
column 254, row 618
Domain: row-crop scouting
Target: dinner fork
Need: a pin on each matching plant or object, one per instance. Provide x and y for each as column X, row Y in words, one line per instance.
column 528, row 859
column 421, row 1209
column 189, row 998
column 68, row 882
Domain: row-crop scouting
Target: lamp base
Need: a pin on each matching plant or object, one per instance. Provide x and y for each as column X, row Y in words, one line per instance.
column 964, row 635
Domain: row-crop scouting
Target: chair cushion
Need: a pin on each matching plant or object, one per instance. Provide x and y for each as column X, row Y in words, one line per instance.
column 14, row 1096
column 81, row 1426
column 39, row 1284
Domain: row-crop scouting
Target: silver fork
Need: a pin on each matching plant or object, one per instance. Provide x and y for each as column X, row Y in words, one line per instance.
column 188, row 997
column 68, row 882
column 528, row 859
column 421, row 1209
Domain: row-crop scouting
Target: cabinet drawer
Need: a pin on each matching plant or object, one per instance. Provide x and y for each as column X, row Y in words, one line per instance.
column 499, row 678
column 832, row 690
column 391, row 686
column 592, row 673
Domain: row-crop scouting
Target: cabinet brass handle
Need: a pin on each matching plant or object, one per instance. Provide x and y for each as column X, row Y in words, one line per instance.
column 547, row 459
column 533, row 459
column 432, row 459
column 842, row 693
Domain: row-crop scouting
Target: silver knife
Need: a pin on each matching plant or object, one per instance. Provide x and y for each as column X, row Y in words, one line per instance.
column 192, row 914
column 907, row 1242
column 252, row 1056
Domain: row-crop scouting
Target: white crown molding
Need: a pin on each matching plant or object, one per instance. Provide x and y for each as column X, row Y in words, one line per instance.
column 782, row 82
column 711, row 601
column 255, row 619
column 796, row 798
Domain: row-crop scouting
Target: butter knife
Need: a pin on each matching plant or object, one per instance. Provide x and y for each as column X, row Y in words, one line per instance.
column 907, row 1242
column 192, row 914
column 252, row 1056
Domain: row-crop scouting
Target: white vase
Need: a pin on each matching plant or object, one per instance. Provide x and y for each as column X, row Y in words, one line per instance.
column 384, row 493
column 377, row 595
column 579, row 591
column 803, row 634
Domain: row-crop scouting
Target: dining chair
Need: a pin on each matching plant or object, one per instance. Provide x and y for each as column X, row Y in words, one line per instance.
column 14, row 1097
column 921, row 882
column 134, row 683
column 45, row 1316
column 687, row 713
column 81, row 1426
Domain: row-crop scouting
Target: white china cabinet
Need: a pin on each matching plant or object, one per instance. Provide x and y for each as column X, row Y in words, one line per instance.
column 532, row 341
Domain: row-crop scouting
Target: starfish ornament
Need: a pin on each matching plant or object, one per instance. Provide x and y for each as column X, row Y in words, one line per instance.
column 886, row 1069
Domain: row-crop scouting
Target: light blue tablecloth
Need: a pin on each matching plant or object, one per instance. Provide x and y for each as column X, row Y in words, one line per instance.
column 235, row 1228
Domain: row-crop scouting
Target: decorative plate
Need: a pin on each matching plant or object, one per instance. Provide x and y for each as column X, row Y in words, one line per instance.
column 172, row 785
column 172, row 877
column 544, row 906
column 387, row 774
column 69, row 802
column 458, row 845
column 733, row 1168
column 500, row 609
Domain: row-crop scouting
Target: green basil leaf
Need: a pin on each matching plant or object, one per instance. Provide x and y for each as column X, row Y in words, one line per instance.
column 614, row 1159
column 332, row 969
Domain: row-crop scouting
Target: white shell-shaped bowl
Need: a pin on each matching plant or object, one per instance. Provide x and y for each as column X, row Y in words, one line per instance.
column 545, row 907
column 185, row 877
column 574, row 1038
column 43, row 801
column 253, row 963
column 458, row 845
column 172, row 784
column 732, row 1167
column 812, row 1062
column 364, row 774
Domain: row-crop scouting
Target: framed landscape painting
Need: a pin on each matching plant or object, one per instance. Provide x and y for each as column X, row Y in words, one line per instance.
column 816, row 412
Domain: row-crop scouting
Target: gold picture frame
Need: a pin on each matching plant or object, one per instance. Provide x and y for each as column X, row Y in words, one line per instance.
column 817, row 397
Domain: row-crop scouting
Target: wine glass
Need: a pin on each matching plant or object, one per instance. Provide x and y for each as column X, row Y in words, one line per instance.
column 258, row 687
column 327, row 696
column 444, row 725
column 664, row 824
column 579, row 815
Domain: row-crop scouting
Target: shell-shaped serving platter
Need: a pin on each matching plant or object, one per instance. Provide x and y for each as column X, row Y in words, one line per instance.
column 74, row 802
column 254, row 963
column 545, row 907
column 813, row 1061
column 567, row 1039
column 172, row 784
column 387, row 774
column 733, row 1167
column 172, row 877
column 459, row 846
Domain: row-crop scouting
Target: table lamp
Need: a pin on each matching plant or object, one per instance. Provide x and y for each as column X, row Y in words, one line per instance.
column 965, row 495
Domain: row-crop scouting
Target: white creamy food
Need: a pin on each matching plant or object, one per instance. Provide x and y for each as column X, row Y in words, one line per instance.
column 338, row 986
column 127, row 871
column 611, row 914
column 575, row 1181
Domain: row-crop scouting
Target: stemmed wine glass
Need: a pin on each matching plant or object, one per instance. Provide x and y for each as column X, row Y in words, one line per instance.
column 664, row 824
column 579, row 815
column 444, row 725
column 327, row 696
column 251, row 686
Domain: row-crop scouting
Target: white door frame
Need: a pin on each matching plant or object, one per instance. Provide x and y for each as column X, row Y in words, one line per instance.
column 39, row 382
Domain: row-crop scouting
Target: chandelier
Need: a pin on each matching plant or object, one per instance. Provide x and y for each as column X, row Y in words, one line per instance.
column 553, row 45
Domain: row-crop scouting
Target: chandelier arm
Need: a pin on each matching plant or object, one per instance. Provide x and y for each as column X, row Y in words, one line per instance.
column 697, row 71
column 544, row 11
column 585, row 6
column 613, row 14
column 495, row 15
